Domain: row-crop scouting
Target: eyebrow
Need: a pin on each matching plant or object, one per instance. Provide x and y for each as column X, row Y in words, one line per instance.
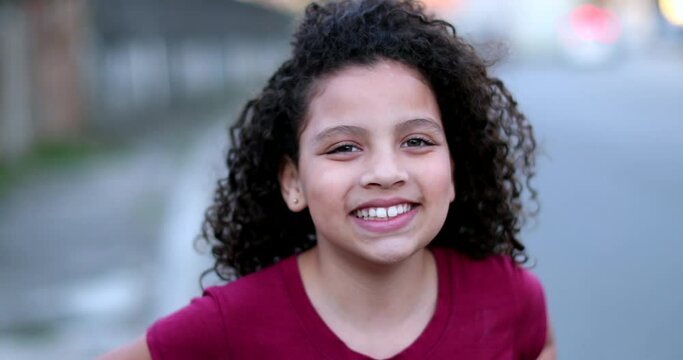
column 340, row 130
column 417, row 123
column 349, row 130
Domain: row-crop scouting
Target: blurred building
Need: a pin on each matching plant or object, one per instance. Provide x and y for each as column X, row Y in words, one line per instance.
column 71, row 67
column 533, row 27
column 41, row 83
column 296, row 6
column 155, row 54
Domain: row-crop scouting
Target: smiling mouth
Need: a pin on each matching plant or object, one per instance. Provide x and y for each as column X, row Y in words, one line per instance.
column 382, row 213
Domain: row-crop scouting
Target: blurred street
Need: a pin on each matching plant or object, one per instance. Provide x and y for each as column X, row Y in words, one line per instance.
column 108, row 248
column 608, row 238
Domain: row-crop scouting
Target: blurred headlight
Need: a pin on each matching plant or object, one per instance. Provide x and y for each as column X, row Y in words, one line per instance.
column 672, row 11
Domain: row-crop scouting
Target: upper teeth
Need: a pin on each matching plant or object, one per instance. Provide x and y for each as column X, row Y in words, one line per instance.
column 382, row 212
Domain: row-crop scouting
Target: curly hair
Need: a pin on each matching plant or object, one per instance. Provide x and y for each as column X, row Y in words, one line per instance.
column 490, row 140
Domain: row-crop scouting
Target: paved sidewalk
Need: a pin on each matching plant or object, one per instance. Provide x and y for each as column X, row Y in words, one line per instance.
column 90, row 256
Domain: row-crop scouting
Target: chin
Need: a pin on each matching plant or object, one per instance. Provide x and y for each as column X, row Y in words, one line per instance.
column 391, row 255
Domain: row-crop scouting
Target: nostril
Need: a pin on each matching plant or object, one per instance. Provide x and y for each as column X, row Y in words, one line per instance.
column 384, row 171
column 384, row 181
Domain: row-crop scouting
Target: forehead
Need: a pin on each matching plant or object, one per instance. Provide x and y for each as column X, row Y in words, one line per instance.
column 363, row 95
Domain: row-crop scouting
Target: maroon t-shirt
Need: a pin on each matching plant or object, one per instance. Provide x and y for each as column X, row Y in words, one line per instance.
column 489, row 309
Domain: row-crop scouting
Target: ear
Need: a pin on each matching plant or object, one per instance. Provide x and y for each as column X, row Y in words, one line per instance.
column 290, row 185
column 453, row 187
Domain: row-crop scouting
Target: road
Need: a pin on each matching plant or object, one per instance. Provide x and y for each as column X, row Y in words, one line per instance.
column 609, row 237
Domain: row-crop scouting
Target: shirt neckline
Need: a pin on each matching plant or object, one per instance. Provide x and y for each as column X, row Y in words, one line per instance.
column 329, row 345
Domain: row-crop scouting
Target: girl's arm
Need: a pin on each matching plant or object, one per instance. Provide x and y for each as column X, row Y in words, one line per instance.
column 549, row 351
column 137, row 350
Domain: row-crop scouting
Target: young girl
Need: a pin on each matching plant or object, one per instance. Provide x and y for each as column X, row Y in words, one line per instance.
column 372, row 208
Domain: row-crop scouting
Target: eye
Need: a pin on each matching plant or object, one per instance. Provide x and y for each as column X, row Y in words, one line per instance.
column 344, row 148
column 417, row 142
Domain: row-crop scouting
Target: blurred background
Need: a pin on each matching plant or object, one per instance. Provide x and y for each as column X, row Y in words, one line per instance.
column 113, row 119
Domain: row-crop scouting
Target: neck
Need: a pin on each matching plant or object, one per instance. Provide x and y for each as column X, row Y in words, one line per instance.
column 370, row 295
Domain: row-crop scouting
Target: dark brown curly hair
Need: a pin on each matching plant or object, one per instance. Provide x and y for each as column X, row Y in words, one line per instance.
column 490, row 140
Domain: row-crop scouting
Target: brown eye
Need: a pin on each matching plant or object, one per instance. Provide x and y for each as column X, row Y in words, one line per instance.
column 344, row 148
column 417, row 142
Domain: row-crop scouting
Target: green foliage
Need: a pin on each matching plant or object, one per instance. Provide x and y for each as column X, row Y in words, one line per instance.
column 47, row 156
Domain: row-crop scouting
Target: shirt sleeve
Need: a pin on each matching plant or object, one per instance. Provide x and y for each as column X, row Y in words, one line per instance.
column 532, row 320
column 193, row 332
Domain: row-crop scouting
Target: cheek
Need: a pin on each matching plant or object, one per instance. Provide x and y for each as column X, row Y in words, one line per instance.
column 438, row 176
column 326, row 188
column 444, row 190
column 441, row 190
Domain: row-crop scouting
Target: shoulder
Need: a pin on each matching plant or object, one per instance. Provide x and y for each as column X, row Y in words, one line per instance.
column 249, row 287
column 195, row 329
column 498, row 287
column 262, row 292
column 500, row 272
column 207, row 326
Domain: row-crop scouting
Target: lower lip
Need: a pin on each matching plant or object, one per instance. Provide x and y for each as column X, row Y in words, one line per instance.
column 386, row 226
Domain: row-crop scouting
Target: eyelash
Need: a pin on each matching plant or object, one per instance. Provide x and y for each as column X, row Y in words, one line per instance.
column 343, row 148
column 423, row 142
column 350, row 148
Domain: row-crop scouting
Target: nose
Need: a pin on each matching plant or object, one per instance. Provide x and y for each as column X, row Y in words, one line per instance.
column 384, row 169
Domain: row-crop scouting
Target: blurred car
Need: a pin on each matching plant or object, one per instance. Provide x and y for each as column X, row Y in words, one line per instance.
column 671, row 19
column 589, row 35
column 672, row 11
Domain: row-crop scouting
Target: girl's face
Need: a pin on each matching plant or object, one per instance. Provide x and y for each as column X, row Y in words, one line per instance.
column 374, row 167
